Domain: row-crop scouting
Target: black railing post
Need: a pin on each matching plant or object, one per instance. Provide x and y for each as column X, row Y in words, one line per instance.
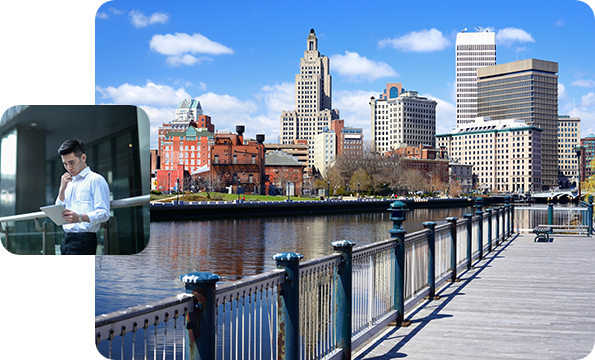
column 201, row 325
column 430, row 225
column 288, row 313
column 498, row 213
column 453, row 248
column 469, row 218
column 478, row 205
column 507, row 214
column 343, row 292
column 489, row 215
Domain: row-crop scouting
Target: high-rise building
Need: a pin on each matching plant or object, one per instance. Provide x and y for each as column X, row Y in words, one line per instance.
column 569, row 129
column 526, row 90
column 505, row 154
column 405, row 120
column 313, row 91
column 587, row 156
column 473, row 50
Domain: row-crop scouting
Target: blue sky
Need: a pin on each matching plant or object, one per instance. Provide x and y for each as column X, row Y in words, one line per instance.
column 240, row 58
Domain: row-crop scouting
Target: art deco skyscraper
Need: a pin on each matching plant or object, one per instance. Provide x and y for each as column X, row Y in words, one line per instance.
column 473, row 50
column 313, row 87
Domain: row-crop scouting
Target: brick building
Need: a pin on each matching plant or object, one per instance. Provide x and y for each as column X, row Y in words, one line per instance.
column 236, row 164
column 285, row 174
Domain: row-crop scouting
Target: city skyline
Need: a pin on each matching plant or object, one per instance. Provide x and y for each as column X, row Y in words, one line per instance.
column 242, row 66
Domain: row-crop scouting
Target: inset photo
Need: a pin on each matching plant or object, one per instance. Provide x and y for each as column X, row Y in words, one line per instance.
column 74, row 180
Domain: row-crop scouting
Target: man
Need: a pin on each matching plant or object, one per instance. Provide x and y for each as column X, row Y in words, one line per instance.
column 85, row 196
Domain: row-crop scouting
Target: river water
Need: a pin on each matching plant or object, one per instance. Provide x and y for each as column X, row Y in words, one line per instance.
column 233, row 249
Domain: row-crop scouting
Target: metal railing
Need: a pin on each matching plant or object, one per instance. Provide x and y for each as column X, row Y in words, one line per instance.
column 37, row 216
column 316, row 309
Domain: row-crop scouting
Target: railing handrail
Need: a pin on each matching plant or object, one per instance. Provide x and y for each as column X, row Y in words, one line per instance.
column 114, row 204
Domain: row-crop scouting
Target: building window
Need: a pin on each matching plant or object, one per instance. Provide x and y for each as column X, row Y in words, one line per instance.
column 216, row 159
column 235, row 159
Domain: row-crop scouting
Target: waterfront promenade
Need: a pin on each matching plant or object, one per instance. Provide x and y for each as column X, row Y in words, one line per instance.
column 525, row 300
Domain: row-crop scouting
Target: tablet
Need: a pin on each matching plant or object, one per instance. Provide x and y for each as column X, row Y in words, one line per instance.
column 55, row 213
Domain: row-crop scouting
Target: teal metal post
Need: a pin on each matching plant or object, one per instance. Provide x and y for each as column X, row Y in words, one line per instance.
column 453, row 249
column 478, row 205
column 489, row 211
column 498, row 212
column 590, row 214
column 201, row 325
column 288, row 313
column 550, row 214
column 469, row 218
column 430, row 225
column 343, row 292
column 398, row 210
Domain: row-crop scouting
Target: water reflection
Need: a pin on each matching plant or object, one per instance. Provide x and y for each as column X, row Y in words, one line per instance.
column 233, row 249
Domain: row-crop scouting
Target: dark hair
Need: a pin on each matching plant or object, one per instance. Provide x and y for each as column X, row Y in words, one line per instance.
column 72, row 145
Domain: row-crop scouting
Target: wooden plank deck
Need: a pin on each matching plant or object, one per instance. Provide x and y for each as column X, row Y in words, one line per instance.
column 526, row 300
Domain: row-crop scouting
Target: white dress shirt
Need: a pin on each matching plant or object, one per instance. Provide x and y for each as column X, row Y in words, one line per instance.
column 88, row 194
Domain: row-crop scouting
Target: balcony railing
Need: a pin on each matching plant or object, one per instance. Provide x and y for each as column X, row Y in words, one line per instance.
column 343, row 299
column 40, row 226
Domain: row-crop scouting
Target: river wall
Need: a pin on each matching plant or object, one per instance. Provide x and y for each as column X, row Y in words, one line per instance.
column 226, row 209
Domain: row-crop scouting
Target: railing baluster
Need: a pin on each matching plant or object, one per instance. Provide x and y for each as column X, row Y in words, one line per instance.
column 224, row 304
column 134, row 328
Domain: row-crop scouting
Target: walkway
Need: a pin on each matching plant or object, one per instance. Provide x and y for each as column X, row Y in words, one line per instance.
column 525, row 301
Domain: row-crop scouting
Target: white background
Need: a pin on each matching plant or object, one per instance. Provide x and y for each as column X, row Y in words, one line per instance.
column 47, row 56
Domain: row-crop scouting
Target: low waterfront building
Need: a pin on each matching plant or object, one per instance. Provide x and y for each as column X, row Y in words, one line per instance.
column 297, row 148
column 237, row 164
column 419, row 152
column 505, row 154
column 462, row 174
column 284, row 174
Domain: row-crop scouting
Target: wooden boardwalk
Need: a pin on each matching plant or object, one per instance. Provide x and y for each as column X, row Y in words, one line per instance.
column 526, row 300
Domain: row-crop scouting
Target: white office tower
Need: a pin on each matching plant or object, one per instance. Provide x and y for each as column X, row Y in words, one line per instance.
column 312, row 99
column 474, row 50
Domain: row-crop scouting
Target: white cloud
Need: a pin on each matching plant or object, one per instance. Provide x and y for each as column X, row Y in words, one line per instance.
column 354, row 108
column 422, row 41
column 150, row 94
column 139, row 20
column 158, row 116
column 562, row 94
column 116, row 11
column 181, row 43
column 101, row 15
column 278, row 98
column 186, row 59
column 180, row 46
column 509, row 36
column 446, row 114
column 587, row 83
column 215, row 103
column 558, row 23
column 357, row 67
column 588, row 100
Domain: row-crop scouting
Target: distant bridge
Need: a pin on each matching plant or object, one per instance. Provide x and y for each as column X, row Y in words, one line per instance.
column 558, row 195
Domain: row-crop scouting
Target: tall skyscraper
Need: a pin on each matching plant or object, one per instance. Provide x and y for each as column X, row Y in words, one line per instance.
column 313, row 88
column 473, row 50
column 527, row 90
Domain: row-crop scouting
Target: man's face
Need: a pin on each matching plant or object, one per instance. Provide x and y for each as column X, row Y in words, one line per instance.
column 73, row 164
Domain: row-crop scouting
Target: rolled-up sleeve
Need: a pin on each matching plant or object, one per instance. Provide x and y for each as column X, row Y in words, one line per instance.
column 101, row 201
